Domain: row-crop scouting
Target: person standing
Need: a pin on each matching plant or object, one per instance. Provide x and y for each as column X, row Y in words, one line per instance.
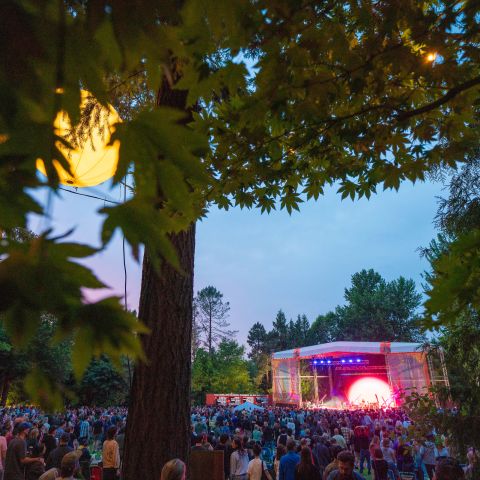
column 111, row 455
column 3, row 453
column 289, row 462
column 256, row 467
column 306, row 470
column 16, row 458
column 227, row 451
column 238, row 461
column 54, row 460
column 50, row 441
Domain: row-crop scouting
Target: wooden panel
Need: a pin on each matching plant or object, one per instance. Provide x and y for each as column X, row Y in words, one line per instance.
column 206, row 465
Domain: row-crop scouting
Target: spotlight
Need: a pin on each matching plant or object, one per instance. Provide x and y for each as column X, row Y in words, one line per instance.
column 314, row 362
column 343, row 360
column 329, row 361
column 350, row 361
column 322, row 361
column 358, row 360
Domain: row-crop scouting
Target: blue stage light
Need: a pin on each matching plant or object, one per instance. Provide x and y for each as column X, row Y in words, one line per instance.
column 343, row 360
column 350, row 361
column 314, row 362
column 322, row 361
column 329, row 361
column 358, row 360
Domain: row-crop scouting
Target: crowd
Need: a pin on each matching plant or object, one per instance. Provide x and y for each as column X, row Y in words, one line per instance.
column 272, row 443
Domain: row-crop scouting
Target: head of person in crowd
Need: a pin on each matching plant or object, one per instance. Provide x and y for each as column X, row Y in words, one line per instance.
column 237, row 444
column 305, row 460
column 448, row 469
column 52, row 430
column 291, row 444
column 345, row 464
column 174, row 470
column 257, row 450
column 70, row 464
column 22, row 429
column 224, row 438
column 64, row 439
column 111, row 432
column 281, row 451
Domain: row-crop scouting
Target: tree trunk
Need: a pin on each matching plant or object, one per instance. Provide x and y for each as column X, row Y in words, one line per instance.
column 158, row 426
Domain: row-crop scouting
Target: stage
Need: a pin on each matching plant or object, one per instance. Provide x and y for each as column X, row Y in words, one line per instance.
column 349, row 375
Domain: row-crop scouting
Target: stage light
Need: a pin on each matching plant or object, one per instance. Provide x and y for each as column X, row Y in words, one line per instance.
column 314, row 362
column 343, row 360
column 358, row 360
column 369, row 390
column 329, row 361
column 322, row 362
column 350, row 361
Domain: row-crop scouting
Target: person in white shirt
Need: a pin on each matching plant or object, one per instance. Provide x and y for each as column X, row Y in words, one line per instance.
column 257, row 466
column 238, row 461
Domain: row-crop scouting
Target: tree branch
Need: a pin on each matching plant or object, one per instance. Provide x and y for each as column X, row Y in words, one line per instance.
column 452, row 93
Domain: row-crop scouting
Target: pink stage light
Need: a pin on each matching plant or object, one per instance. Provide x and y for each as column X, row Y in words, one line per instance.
column 369, row 390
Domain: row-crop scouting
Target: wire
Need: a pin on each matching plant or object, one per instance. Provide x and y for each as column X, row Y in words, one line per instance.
column 89, row 196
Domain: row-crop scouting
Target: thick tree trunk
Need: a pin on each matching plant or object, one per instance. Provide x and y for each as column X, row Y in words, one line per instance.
column 158, row 426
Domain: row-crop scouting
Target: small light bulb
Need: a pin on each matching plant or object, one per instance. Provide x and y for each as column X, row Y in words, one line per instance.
column 431, row 57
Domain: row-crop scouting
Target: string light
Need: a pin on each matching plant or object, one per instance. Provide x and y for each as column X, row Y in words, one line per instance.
column 431, row 57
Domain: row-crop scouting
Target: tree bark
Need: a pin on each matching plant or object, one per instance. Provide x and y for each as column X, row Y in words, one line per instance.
column 158, row 426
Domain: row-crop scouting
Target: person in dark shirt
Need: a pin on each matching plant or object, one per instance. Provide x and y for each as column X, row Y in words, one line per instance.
column 379, row 465
column 16, row 458
column 306, row 470
column 322, row 453
column 227, row 451
column 50, row 441
column 54, row 460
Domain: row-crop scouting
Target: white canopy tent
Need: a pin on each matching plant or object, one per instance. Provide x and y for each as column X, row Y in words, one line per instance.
column 248, row 406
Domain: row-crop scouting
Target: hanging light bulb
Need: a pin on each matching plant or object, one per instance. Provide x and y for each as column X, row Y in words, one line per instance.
column 92, row 161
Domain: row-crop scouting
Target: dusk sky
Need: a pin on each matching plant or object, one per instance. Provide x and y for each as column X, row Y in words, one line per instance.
column 261, row 263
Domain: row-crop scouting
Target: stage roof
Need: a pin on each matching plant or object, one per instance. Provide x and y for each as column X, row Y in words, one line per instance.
column 348, row 347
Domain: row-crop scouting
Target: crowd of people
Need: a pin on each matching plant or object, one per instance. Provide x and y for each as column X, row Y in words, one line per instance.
column 324, row 444
column 271, row 443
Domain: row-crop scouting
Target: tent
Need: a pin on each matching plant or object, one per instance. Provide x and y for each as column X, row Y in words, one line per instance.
column 249, row 406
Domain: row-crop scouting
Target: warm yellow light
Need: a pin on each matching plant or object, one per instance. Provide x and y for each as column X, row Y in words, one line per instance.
column 92, row 161
column 431, row 57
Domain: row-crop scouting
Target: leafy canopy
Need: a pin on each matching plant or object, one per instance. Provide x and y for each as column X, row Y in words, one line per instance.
column 340, row 92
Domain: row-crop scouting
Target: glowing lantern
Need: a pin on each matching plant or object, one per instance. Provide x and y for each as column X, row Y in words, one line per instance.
column 92, row 161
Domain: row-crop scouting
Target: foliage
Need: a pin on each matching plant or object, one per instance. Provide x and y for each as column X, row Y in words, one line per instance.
column 211, row 314
column 377, row 310
column 341, row 92
column 224, row 370
column 103, row 384
column 19, row 365
column 453, row 304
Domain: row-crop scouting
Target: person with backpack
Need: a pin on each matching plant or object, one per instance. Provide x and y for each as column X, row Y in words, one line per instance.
column 257, row 469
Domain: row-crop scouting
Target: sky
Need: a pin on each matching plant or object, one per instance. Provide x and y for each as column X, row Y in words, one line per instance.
column 262, row 263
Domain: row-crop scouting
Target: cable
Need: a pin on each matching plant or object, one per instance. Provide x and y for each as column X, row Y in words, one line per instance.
column 90, row 196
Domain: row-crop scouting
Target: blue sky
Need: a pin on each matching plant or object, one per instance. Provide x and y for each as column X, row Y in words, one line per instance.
column 261, row 263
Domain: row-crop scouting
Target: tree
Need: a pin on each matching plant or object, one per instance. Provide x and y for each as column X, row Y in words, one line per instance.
column 375, row 310
column 224, row 370
column 279, row 333
column 342, row 94
column 19, row 366
column 212, row 316
column 257, row 340
column 102, row 384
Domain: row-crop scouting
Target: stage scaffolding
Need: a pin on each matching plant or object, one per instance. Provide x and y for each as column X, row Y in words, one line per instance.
column 408, row 368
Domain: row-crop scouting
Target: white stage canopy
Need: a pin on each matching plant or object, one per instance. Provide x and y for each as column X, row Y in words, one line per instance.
column 348, row 347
